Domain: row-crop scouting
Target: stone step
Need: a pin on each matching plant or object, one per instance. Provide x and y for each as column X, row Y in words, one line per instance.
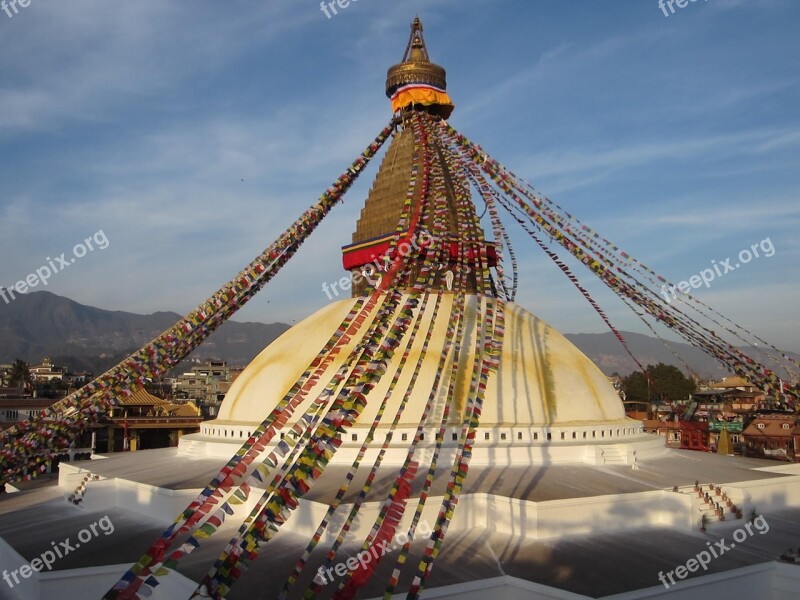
column 614, row 455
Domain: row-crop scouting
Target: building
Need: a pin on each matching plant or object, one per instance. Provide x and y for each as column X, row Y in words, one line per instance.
column 771, row 436
column 47, row 380
column 206, row 384
column 78, row 378
column 15, row 392
column 796, row 440
column 10, row 389
column 734, row 429
column 726, row 401
column 13, row 410
column 144, row 421
column 686, row 435
column 46, row 371
column 742, row 395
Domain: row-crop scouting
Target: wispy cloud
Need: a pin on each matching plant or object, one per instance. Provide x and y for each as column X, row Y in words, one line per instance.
column 98, row 57
column 578, row 161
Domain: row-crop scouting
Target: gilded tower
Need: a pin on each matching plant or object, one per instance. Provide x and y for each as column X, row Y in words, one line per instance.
column 414, row 84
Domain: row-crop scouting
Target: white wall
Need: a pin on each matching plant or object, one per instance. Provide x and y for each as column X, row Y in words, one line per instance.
column 768, row 581
column 765, row 495
column 159, row 504
column 96, row 581
column 10, row 560
column 576, row 516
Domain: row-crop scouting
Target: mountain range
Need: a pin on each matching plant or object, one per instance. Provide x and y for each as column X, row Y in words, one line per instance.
column 85, row 338
column 605, row 350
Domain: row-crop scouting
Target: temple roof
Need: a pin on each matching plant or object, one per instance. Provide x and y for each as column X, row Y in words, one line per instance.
column 141, row 397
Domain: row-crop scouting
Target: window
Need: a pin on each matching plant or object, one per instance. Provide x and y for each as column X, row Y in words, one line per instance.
column 486, row 435
column 421, row 437
column 760, row 425
column 584, row 435
column 786, row 426
column 502, row 436
column 282, row 435
column 354, row 437
column 519, row 435
column 563, row 435
column 455, row 437
column 404, row 437
column 549, row 436
column 535, row 435
column 574, row 435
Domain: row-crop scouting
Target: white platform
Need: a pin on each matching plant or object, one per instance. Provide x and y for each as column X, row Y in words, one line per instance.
column 615, row 442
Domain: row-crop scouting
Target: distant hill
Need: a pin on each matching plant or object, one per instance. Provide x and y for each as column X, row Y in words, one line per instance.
column 607, row 353
column 82, row 337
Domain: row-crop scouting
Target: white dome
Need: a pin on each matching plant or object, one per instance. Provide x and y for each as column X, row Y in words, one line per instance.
column 543, row 380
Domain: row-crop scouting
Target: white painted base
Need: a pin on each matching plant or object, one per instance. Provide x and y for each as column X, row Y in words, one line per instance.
column 612, row 442
column 552, row 519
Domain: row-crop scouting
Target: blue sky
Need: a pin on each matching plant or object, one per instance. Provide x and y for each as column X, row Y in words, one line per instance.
column 192, row 134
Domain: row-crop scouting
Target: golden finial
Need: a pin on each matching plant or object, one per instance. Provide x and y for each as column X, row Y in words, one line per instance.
column 417, row 69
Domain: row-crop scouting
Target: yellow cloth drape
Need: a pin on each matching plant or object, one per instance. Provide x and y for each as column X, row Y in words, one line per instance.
column 419, row 95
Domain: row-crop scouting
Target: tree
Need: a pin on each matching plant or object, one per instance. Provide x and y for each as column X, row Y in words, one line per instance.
column 666, row 383
column 20, row 375
column 635, row 387
column 670, row 383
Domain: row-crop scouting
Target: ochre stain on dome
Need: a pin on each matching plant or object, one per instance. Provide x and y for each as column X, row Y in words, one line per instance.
column 542, row 378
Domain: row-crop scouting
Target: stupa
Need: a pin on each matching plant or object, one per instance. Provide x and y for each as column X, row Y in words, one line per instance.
column 547, row 402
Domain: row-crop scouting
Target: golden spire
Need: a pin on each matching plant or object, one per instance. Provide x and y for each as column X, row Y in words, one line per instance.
column 417, row 70
column 416, row 44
